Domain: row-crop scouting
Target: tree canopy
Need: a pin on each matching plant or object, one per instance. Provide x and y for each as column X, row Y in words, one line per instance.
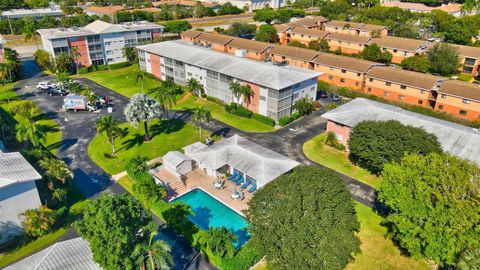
column 267, row 33
column 374, row 53
column 434, row 205
column 177, row 27
column 374, row 143
column 304, row 220
column 418, row 63
column 444, row 59
column 114, row 226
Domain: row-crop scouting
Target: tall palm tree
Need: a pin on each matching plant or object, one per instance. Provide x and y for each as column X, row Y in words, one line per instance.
column 56, row 168
column 30, row 33
column 201, row 115
column 32, row 132
column 75, row 55
column 236, row 89
column 154, row 255
column 110, row 127
column 194, row 86
column 142, row 108
column 38, row 221
column 141, row 75
column 165, row 97
column 247, row 93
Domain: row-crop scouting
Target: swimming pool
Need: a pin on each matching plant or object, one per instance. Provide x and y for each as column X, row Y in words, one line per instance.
column 209, row 212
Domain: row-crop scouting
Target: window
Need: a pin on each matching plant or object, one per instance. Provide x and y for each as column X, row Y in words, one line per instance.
column 369, row 89
column 403, row 87
column 420, row 102
column 342, row 80
column 108, row 43
column 370, row 79
column 359, row 74
column 388, row 83
column 400, row 97
column 394, row 50
column 462, row 112
column 330, row 77
column 295, row 96
column 386, row 93
column 444, row 96
column 357, row 84
column 440, row 107
column 262, row 98
column 344, row 71
column 466, row 101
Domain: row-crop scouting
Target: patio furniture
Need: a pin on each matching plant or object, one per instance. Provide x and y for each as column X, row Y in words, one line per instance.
column 233, row 176
column 253, row 188
column 241, row 196
column 218, row 184
column 240, row 181
column 246, row 184
column 235, row 195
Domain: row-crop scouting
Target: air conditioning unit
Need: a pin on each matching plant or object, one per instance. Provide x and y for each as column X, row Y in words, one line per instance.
column 241, row 53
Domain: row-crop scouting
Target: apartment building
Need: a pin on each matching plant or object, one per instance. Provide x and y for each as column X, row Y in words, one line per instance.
column 402, row 85
column 99, row 43
column 255, row 50
column 459, row 98
column 401, row 48
column 276, row 88
column 469, row 59
column 293, row 56
column 303, row 35
column 353, row 28
column 282, row 32
column 342, row 71
column 346, row 43
column 216, row 41
column 317, row 22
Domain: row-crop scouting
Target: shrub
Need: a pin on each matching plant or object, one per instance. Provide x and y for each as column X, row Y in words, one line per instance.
column 285, row 120
column 245, row 258
column 216, row 100
column 203, row 95
column 120, row 65
column 295, row 115
column 261, row 118
column 239, row 110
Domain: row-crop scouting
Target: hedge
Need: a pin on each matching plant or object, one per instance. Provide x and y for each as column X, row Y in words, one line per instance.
column 93, row 68
column 216, row 100
column 261, row 118
column 288, row 119
column 239, row 110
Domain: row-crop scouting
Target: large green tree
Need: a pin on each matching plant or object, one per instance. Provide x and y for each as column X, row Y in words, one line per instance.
column 374, row 53
column 267, row 33
column 434, row 205
column 177, row 27
column 219, row 241
column 110, row 127
column 142, row 109
column 154, row 254
column 470, row 259
column 418, row 63
column 444, row 59
column 374, row 143
column 304, row 220
column 114, row 226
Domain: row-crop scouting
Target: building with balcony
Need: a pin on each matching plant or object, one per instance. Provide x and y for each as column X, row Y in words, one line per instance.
column 401, row 48
column 276, row 88
column 455, row 139
column 293, row 56
column 353, row 28
column 303, row 35
column 310, row 22
column 459, row 98
column 469, row 59
column 402, row 85
column 347, row 43
column 99, row 43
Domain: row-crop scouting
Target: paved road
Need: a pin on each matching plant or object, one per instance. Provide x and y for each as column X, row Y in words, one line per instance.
column 78, row 128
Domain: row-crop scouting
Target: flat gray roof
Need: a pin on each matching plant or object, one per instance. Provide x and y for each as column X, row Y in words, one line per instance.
column 95, row 28
column 458, row 140
column 17, row 13
column 14, row 168
column 264, row 74
column 258, row 162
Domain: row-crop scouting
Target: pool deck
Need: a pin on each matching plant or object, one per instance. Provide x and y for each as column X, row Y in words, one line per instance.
column 198, row 179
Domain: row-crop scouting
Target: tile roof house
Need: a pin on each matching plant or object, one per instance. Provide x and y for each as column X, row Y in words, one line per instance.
column 460, row 89
column 347, row 63
column 404, row 77
column 18, row 192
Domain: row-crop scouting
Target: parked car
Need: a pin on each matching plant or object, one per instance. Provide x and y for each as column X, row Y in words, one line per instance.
column 44, row 86
column 336, row 97
column 77, row 103
column 57, row 91
column 323, row 93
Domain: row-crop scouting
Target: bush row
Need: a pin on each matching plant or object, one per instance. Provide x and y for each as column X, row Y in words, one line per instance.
column 288, row 119
column 214, row 100
column 239, row 110
column 93, row 68
column 261, row 118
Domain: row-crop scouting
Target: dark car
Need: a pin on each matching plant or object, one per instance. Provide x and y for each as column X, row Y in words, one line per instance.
column 336, row 97
column 55, row 91
column 323, row 93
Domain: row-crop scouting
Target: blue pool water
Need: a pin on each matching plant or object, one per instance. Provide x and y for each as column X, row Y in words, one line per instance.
column 209, row 212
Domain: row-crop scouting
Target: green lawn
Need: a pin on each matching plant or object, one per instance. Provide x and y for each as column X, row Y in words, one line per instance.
column 219, row 113
column 122, row 80
column 465, row 77
column 126, row 182
column 317, row 151
column 377, row 251
column 167, row 135
column 54, row 134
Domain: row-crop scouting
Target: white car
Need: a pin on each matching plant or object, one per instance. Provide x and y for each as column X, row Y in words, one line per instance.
column 44, row 85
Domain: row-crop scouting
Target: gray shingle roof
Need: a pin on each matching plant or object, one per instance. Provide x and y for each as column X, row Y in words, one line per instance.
column 264, row 74
column 174, row 158
column 14, row 168
column 258, row 162
column 455, row 139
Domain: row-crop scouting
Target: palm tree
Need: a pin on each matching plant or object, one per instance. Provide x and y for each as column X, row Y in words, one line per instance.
column 56, row 169
column 75, row 55
column 201, row 115
column 164, row 96
column 154, row 255
column 194, row 86
column 247, row 93
column 33, row 132
column 30, row 33
column 38, row 221
column 469, row 259
column 141, row 75
column 59, row 194
column 236, row 89
column 110, row 127
column 63, row 79
column 142, row 108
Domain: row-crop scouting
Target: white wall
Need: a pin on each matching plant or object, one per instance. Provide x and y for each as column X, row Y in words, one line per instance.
column 185, row 167
column 14, row 200
column 113, row 45
column 262, row 104
column 197, row 73
column 306, row 89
